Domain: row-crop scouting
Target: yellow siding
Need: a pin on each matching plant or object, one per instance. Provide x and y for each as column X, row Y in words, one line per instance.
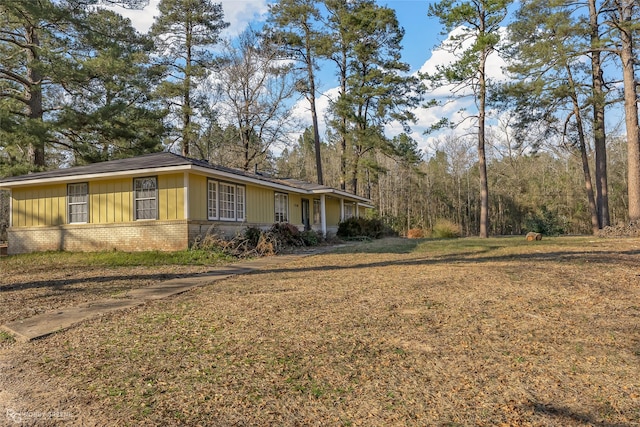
column 198, row 197
column 260, row 205
column 170, row 197
column 39, row 206
column 110, row 201
column 295, row 209
column 333, row 211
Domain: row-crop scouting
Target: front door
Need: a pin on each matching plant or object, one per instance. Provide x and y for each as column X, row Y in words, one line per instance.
column 305, row 214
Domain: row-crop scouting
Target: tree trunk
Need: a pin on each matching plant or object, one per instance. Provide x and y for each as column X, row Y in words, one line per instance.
column 343, row 124
column 186, row 102
column 314, row 114
column 600, row 146
column 630, row 107
column 482, row 158
column 354, row 176
column 595, row 222
column 34, row 96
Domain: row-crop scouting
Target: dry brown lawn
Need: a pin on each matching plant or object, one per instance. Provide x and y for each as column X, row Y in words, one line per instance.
column 396, row 332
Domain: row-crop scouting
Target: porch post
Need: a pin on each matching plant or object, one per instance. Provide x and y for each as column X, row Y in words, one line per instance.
column 187, row 212
column 323, row 215
column 10, row 209
column 341, row 209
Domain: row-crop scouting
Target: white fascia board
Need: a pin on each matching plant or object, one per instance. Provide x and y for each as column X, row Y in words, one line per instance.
column 249, row 180
column 342, row 194
column 94, row 176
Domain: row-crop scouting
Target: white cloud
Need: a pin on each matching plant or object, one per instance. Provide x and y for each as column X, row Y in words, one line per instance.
column 141, row 19
column 239, row 14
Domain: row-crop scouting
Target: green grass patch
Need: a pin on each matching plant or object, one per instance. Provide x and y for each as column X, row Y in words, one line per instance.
column 118, row 259
column 469, row 246
column 6, row 338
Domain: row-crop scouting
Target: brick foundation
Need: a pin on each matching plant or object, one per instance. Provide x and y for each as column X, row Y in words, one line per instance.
column 128, row 237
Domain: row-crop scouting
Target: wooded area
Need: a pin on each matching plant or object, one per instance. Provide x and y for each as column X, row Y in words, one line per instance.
column 555, row 148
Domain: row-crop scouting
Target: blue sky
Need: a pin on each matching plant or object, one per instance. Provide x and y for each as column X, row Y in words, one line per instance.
column 421, row 32
column 422, row 35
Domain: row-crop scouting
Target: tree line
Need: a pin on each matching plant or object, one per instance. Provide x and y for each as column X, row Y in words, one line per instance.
column 78, row 84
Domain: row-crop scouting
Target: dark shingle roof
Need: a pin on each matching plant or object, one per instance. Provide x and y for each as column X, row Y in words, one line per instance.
column 147, row 161
column 166, row 160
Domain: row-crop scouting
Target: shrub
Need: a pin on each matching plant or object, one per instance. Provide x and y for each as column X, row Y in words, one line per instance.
column 354, row 228
column 310, row 238
column 287, row 234
column 445, row 229
column 545, row 222
column 415, row 233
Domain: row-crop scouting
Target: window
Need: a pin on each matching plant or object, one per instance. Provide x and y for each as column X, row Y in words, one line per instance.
column 282, row 207
column 145, row 198
column 316, row 211
column 212, row 200
column 240, row 203
column 349, row 210
column 225, row 201
column 77, row 206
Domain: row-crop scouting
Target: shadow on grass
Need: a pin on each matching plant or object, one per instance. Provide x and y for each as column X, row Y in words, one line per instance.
column 389, row 245
column 566, row 415
column 60, row 284
column 612, row 258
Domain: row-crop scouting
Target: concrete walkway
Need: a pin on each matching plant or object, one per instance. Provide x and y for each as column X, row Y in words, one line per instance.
column 50, row 322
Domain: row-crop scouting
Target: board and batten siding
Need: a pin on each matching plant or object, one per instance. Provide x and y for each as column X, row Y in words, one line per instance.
column 295, row 209
column 260, row 205
column 197, row 197
column 333, row 211
column 40, row 206
column 110, row 201
column 171, row 197
column 259, row 202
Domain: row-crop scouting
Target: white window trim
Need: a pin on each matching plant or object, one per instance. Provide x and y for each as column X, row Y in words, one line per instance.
column 241, row 213
column 85, row 202
column 217, row 203
column 136, row 199
column 223, row 201
column 351, row 207
column 286, row 207
column 316, row 203
column 239, row 192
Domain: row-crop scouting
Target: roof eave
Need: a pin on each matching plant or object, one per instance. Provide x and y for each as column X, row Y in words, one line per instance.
column 247, row 179
column 342, row 194
column 90, row 176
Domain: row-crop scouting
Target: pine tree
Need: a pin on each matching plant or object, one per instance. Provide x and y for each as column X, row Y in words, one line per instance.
column 477, row 24
column 185, row 32
column 295, row 25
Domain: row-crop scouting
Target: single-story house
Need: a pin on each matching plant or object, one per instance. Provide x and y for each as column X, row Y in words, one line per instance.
column 160, row 201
